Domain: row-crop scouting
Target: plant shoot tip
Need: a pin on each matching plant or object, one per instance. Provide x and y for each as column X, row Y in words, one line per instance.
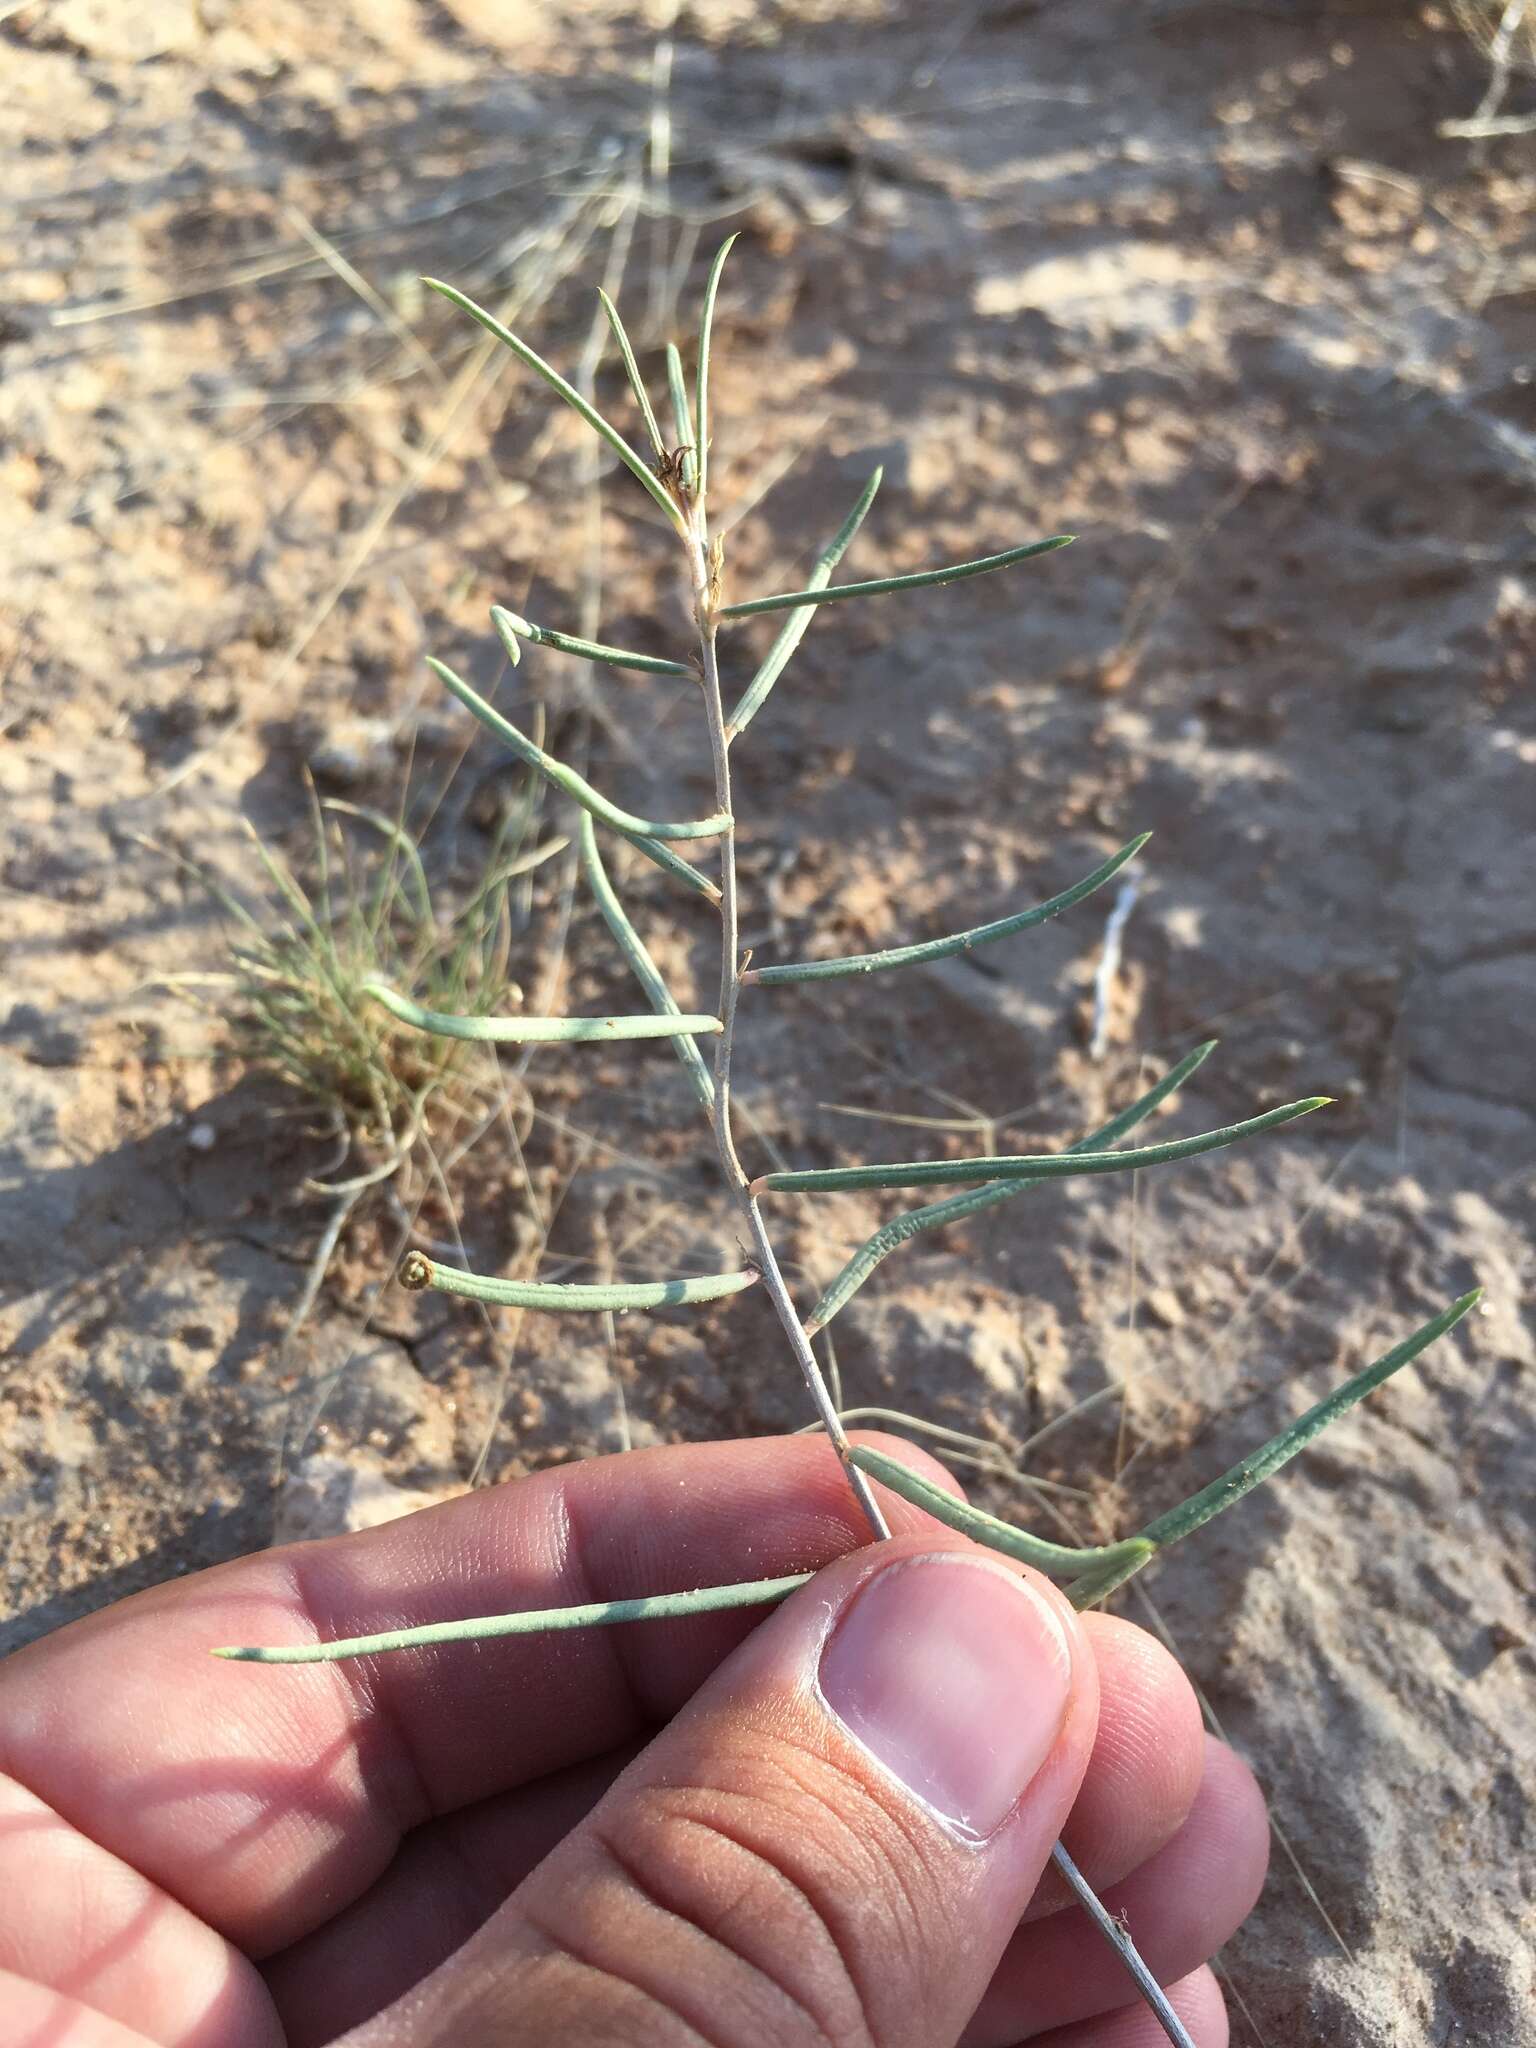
column 415, row 1272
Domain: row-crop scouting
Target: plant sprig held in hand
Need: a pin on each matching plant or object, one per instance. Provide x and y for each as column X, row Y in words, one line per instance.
column 676, row 480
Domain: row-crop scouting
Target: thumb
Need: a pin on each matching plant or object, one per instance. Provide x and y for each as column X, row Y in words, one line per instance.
column 832, row 1843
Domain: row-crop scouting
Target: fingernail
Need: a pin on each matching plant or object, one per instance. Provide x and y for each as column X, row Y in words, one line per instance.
column 955, row 1675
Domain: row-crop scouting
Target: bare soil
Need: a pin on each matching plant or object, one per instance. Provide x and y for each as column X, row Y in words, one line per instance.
column 1200, row 283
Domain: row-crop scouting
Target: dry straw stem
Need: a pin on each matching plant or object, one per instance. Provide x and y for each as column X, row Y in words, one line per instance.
column 676, row 481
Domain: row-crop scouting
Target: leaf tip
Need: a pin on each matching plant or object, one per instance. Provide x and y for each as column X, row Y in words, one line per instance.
column 510, row 628
column 415, row 1272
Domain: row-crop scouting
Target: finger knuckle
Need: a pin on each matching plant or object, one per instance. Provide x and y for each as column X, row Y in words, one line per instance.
column 792, row 1880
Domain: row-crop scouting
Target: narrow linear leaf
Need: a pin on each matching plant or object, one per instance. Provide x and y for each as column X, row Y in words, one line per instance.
column 957, row 942
column 936, row 1215
column 987, row 1529
column 682, row 414
column 535, row 1621
column 706, row 327
column 794, row 629
column 674, row 864
column 632, row 371
column 921, row 1173
column 641, row 965
column 1083, row 1592
column 1263, row 1463
column 573, row 398
column 390, row 829
column 417, row 1271
column 510, row 629
column 567, row 779
column 535, row 1030
column 519, row 864
column 953, row 572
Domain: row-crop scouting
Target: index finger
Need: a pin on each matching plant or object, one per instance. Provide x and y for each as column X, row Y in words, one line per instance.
column 265, row 1799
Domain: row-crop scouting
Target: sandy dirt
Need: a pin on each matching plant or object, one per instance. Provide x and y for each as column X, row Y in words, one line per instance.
column 1201, row 284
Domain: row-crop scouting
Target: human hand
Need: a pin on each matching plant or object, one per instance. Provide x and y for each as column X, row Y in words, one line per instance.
column 829, row 1825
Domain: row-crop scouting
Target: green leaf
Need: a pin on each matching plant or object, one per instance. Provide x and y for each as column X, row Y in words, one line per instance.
column 1262, row 1464
column 682, row 414
column 936, row 1215
column 930, row 1173
column 957, row 942
column 988, row 1530
column 680, row 869
column 573, row 398
column 641, row 965
column 632, row 371
column 510, row 629
column 1129, row 1556
column 953, row 572
column 706, row 325
column 794, row 630
column 567, row 779
column 535, row 1621
column 417, row 1271
column 535, row 1030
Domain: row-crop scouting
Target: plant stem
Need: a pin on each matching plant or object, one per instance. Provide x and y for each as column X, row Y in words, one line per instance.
column 703, row 576
column 706, row 605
